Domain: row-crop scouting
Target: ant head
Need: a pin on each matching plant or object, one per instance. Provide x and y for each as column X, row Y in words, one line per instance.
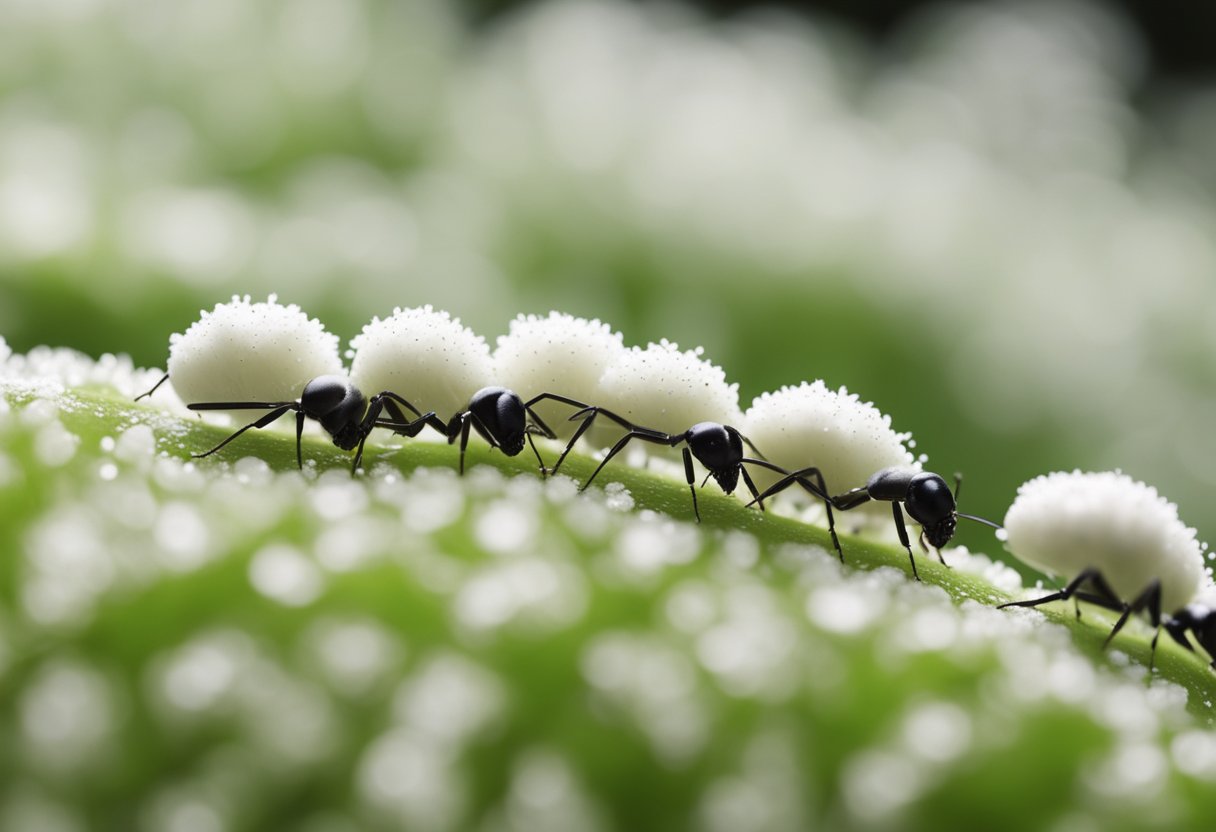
column 727, row 479
column 502, row 413
column 931, row 504
column 718, row 448
column 940, row 533
column 338, row 406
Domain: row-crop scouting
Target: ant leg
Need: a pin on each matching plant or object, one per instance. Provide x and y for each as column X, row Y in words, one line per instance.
column 409, row 428
column 556, row 398
column 755, row 450
column 788, row 478
column 902, row 531
column 620, row 420
column 1177, row 631
column 429, row 419
column 354, row 466
column 616, row 449
column 692, row 480
column 391, row 399
column 819, row 489
column 400, row 428
column 404, row 426
column 483, row 431
column 401, row 425
column 641, row 432
column 645, row 434
column 589, row 413
column 827, row 505
column 852, row 499
column 1154, row 614
column 260, row 423
column 300, row 438
column 459, row 426
column 241, row 405
column 465, row 425
column 544, row 472
column 1149, row 599
column 377, row 403
column 163, row 379
column 751, row 486
column 547, row 431
column 538, row 424
column 1105, row 596
column 1102, row 601
column 573, row 441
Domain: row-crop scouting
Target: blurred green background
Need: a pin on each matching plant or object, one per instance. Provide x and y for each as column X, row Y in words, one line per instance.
column 995, row 221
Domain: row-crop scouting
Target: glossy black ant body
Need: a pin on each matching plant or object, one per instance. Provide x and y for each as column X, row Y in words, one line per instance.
column 718, row 447
column 341, row 409
column 1200, row 621
column 502, row 418
column 924, row 495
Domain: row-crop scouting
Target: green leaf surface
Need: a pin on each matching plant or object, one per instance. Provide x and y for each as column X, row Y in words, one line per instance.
column 230, row 639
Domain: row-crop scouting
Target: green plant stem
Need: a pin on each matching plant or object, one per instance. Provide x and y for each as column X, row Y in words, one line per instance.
column 95, row 413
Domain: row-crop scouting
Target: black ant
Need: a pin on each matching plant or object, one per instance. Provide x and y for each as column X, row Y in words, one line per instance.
column 718, row 447
column 1091, row 586
column 925, row 496
column 342, row 410
column 500, row 416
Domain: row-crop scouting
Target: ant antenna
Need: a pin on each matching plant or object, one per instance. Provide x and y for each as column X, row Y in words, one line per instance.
column 958, row 486
column 981, row 520
column 163, row 379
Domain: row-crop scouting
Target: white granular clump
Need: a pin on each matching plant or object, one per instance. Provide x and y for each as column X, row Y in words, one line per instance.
column 284, row 574
column 242, row 351
column 1063, row 523
column 662, row 388
column 47, row 372
column 425, row 356
column 847, row 439
column 557, row 354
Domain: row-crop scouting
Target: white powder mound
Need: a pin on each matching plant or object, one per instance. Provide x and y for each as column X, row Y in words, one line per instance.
column 425, row 356
column 663, row 388
column 242, row 351
column 46, row 372
column 557, row 354
column 1062, row 523
column 847, row 439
